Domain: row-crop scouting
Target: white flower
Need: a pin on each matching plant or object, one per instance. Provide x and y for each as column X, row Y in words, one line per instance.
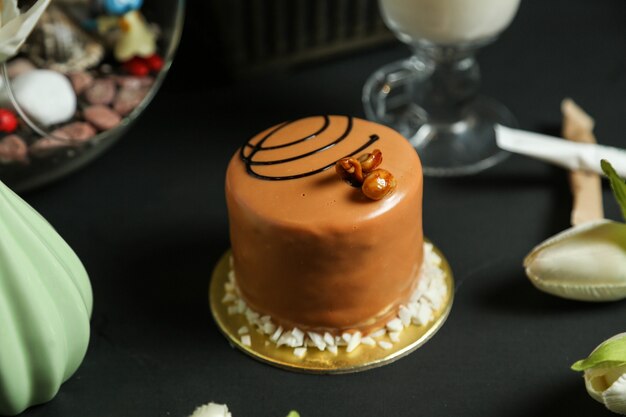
column 15, row 27
column 586, row 262
column 605, row 373
column 221, row 410
column 212, row 410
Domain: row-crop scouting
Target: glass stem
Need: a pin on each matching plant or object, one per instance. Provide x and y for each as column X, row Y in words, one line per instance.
column 453, row 81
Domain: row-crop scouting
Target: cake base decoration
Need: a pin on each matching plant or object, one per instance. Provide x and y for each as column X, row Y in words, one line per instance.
column 351, row 351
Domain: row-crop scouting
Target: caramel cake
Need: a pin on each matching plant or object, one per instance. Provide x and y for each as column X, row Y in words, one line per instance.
column 326, row 231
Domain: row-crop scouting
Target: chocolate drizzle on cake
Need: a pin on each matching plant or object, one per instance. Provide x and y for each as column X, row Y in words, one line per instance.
column 254, row 149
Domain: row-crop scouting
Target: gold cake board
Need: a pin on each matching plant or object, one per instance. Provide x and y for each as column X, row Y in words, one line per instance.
column 321, row 362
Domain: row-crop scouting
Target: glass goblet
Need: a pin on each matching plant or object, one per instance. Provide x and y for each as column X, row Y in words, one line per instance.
column 432, row 97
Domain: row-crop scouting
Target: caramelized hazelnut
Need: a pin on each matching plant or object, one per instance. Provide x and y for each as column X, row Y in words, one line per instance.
column 363, row 172
column 371, row 161
column 349, row 169
column 378, row 184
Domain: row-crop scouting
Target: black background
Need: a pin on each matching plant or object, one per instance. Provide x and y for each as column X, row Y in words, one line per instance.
column 149, row 221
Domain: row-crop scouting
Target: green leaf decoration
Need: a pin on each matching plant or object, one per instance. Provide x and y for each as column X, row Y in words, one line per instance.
column 293, row 414
column 617, row 185
column 610, row 353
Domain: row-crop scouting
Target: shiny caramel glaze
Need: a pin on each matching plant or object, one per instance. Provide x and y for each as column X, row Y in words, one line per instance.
column 314, row 252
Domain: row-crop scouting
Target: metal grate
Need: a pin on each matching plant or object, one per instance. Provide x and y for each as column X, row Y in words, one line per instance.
column 262, row 34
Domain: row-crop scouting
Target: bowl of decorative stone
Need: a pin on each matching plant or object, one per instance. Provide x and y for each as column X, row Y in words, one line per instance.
column 87, row 71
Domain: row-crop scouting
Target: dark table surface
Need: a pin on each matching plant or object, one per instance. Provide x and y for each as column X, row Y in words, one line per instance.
column 149, row 221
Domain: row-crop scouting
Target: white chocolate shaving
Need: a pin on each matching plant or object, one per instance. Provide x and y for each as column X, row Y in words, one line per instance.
column 368, row 341
column 395, row 325
column 385, row 345
column 354, row 342
column 299, row 352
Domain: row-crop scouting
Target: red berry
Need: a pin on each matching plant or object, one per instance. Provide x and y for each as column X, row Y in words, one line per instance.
column 155, row 62
column 8, row 121
column 137, row 66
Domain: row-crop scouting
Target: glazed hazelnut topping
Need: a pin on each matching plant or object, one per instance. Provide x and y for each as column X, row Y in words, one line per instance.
column 378, row 184
column 350, row 170
column 362, row 172
column 371, row 161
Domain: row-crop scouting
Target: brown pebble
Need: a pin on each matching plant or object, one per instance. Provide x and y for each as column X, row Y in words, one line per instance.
column 44, row 146
column 134, row 82
column 76, row 132
column 72, row 134
column 19, row 66
column 13, row 149
column 81, row 81
column 101, row 92
column 128, row 99
column 102, row 117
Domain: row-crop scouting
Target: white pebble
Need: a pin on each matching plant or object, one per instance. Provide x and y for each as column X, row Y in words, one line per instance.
column 329, row 339
column 243, row 330
column 47, row 96
column 332, row 349
column 232, row 310
column 394, row 336
column 246, row 340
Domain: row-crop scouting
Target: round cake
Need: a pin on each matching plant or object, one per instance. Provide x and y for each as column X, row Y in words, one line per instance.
column 312, row 251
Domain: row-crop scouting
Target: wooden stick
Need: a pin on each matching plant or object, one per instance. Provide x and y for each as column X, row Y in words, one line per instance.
column 586, row 187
